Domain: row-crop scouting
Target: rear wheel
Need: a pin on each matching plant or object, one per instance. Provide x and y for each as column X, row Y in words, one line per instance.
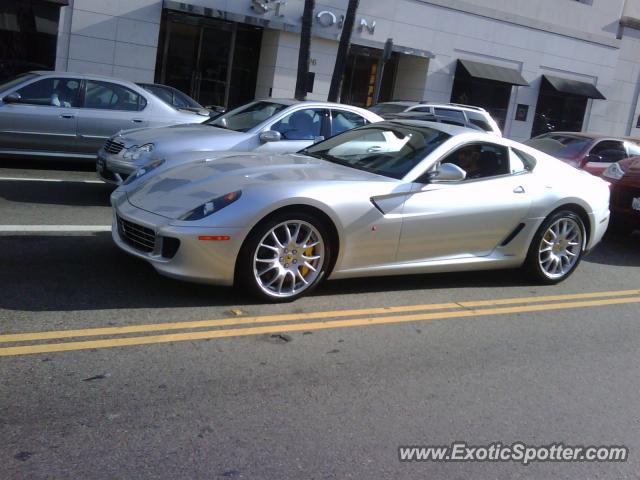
column 557, row 248
column 285, row 257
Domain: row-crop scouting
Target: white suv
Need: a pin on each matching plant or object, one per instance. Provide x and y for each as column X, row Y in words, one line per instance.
column 463, row 113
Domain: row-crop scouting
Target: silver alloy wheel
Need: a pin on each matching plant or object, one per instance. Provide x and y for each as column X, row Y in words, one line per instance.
column 560, row 248
column 288, row 258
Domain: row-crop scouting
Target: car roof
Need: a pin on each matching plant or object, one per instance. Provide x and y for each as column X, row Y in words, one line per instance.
column 590, row 136
column 404, row 103
column 81, row 75
column 444, row 127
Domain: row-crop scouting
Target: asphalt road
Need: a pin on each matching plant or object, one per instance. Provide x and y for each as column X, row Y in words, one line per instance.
column 108, row 370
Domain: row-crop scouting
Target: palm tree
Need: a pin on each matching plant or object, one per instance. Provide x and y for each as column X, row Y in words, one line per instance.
column 303, row 54
column 343, row 50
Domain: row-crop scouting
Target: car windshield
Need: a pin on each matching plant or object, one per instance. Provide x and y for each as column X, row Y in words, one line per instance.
column 385, row 108
column 243, row 119
column 391, row 150
column 15, row 81
column 557, row 145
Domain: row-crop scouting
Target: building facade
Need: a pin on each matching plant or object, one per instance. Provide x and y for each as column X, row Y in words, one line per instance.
column 536, row 66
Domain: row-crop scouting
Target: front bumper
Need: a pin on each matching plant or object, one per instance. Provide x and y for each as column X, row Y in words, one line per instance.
column 623, row 198
column 111, row 168
column 195, row 260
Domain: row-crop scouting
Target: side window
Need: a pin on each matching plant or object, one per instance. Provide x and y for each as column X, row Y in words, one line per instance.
column 449, row 113
column 634, row 150
column 608, row 151
column 481, row 160
column 55, row 92
column 342, row 120
column 110, row 96
column 527, row 160
column 479, row 120
column 301, row 125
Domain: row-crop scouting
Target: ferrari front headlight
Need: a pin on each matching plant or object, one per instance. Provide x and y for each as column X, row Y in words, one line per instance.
column 143, row 171
column 614, row 171
column 211, row 206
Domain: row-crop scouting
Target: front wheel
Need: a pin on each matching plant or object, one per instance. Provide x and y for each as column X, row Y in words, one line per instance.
column 285, row 257
column 557, row 248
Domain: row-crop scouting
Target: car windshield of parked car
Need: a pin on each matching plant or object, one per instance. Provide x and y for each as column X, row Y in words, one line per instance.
column 389, row 150
column 244, row 118
column 561, row 146
column 387, row 108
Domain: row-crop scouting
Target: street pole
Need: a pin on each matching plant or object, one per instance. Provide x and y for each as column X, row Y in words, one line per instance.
column 303, row 54
column 343, row 51
column 386, row 55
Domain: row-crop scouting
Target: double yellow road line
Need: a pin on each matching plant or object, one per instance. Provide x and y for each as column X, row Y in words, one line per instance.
column 258, row 325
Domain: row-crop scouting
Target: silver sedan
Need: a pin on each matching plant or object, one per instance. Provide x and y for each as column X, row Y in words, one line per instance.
column 270, row 125
column 391, row 198
column 61, row 114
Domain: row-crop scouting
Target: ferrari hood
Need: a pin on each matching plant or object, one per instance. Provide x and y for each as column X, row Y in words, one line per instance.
column 180, row 189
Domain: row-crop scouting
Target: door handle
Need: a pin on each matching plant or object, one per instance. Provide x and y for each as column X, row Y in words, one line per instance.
column 67, row 115
column 519, row 189
column 137, row 120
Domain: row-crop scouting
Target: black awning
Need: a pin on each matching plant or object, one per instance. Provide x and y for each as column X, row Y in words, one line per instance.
column 574, row 87
column 493, row 72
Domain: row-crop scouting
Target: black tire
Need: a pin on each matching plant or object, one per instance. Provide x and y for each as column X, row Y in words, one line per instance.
column 532, row 265
column 246, row 275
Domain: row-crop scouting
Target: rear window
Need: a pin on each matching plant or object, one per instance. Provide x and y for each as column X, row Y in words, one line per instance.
column 562, row 146
column 479, row 121
column 385, row 108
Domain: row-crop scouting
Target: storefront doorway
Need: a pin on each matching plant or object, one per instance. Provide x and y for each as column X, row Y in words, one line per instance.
column 214, row 61
column 360, row 75
column 562, row 104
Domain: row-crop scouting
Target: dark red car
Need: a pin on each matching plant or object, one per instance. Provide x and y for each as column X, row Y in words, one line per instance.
column 624, row 177
column 591, row 152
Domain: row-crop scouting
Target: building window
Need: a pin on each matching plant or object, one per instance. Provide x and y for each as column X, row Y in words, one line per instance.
column 558, row 111
column 358, row 84
column 28, row 36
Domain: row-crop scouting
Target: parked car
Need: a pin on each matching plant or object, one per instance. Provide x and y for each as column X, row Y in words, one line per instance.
column 180, row 100
column 270, row 125
column 624, row 177
column 460, row 113
column 587, row 151
column 61, row 114
column 390, row 198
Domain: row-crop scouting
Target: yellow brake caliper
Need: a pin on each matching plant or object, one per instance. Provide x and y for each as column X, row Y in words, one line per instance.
column 304, row 270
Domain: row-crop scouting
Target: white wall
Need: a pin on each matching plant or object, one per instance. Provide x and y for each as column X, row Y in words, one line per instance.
column 110, row 37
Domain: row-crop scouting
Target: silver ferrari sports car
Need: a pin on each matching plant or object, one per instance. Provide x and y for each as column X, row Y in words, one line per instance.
column 390, row 198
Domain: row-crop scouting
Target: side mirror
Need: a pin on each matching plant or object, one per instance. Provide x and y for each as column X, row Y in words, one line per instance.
column 448, row 172
column 270, row 136
column 14, row 97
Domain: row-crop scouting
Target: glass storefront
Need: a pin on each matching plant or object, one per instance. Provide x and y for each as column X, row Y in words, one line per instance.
column 358, row 84
column 28, row 36
column 214, row 61
column 491, row 95
column 560, row 106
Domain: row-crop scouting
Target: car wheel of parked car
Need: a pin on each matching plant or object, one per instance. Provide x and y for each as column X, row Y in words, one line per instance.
column 557, row 248
column 285, row 257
